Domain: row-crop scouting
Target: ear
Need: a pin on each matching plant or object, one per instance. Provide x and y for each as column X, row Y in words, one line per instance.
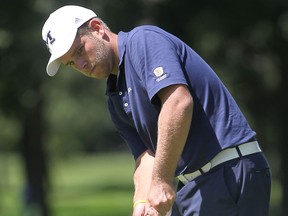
column 95, row 24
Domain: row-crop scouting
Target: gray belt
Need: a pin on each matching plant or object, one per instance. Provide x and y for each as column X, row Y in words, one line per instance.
column 221, row 157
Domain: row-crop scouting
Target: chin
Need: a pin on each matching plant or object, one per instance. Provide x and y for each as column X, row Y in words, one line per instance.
column 97, row 75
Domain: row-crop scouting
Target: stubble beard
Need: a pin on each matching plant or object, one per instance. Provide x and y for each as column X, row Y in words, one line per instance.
column 103, row 59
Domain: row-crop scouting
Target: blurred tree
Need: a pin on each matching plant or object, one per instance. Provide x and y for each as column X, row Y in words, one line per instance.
column 20, row 93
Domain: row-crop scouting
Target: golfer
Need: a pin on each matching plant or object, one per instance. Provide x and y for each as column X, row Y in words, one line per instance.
column 195, row 154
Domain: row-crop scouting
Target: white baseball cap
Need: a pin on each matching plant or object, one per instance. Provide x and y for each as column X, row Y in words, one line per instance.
column 59, row 32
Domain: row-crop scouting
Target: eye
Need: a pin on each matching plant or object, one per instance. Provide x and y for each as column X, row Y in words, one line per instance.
column 70, row 64
column 79, row 51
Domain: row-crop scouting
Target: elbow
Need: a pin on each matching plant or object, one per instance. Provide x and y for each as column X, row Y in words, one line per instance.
column 186, row 104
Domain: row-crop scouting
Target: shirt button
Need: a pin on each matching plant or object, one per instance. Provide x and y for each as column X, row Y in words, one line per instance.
column 125, row 104
column 120, row 93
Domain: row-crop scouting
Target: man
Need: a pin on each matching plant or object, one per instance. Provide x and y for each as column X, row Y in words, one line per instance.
column 177, row 117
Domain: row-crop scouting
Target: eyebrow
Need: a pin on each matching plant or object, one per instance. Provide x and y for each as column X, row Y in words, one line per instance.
column 74, row 53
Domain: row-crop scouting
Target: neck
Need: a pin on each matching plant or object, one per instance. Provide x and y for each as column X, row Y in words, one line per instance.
column 114, row 44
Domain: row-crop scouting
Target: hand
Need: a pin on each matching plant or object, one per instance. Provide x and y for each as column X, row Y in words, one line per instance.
column 161, row 197
column 139, row 210
column 153, row 212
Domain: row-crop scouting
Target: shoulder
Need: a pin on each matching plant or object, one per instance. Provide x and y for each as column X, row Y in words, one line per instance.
column 137, row 36
column 146, row 29
column 148, row 37
column 146, row 32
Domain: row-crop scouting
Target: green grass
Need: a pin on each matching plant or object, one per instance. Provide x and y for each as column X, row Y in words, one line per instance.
column 93, row 185
column 11, row 182
column 98, row 185
column 88, row 185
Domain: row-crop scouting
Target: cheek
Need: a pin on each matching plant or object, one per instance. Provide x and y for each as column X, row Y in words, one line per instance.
column 97, row 52
column 91, row 54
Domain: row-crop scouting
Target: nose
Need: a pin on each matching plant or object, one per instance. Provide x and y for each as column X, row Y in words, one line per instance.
column 80, row 64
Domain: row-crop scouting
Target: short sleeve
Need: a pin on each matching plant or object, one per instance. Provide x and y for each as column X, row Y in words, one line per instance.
column 157, row 60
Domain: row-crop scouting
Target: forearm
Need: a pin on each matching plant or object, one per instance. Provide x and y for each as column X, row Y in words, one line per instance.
column 142, row 175
column 173, row 128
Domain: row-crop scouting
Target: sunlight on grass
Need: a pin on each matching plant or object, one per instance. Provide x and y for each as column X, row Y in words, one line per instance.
column 87, row 185
column 11, row 185
column 93, row 185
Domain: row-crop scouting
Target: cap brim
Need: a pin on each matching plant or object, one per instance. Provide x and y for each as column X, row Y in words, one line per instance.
column 63, row 47
column 53, row 66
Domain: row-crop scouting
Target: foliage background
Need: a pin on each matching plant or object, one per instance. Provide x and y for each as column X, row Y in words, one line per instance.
column 43, row 118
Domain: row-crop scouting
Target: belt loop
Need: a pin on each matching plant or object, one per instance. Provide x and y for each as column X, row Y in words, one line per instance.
column 238, row 151
column 183, row 179
column 201, row 171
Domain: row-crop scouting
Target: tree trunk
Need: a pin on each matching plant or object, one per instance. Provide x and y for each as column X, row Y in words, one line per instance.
column 34, row 163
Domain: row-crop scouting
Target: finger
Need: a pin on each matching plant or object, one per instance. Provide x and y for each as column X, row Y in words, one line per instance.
column 155, row 211
column 167, row 213
column 152, row 212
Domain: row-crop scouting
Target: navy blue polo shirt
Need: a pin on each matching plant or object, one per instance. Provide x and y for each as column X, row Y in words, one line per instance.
column 152, row 59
